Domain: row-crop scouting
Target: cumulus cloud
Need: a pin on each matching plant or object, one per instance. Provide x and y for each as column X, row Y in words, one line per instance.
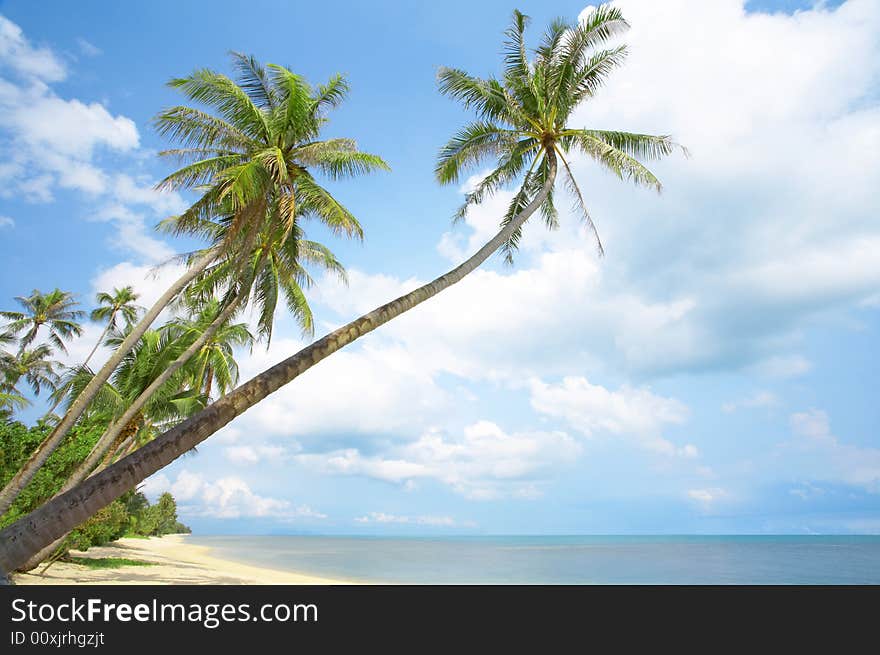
column 592, row 409
column 483, row 462
column 772, row 223
column 249, row 455
column 5, row 221
column 17, row 53
column 377, row 388
column 228, row 497
column 149, row 282
column 61, row 143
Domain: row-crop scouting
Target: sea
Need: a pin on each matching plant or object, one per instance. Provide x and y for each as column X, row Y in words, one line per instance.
column 716, row 559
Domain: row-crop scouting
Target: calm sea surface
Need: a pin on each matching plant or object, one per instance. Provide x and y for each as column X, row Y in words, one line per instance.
column 566, row 559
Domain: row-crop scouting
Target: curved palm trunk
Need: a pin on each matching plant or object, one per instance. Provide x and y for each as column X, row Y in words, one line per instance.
column 114, row 435
column 20, row 480
column 27, row 536
column 50, row 552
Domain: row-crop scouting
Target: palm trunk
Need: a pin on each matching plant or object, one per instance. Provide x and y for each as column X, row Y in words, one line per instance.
column 98, row 343
column 20, row 480
column 111, row 436
column 123, row 440
column 41, row 527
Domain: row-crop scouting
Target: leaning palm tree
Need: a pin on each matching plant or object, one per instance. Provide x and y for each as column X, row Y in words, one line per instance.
column 260, row 148
column 173, row 401
column 54, row 310
column 141, row 367
column 110, row 307
column 532, row 102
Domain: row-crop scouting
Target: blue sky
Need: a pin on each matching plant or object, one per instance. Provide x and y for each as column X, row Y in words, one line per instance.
column 715, row 372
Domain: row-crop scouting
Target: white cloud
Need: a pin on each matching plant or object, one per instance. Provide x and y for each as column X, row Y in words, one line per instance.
column 250, row 455
column 384, row 518
column 783, row 366
column 71, row 130
column 17, row 53
column 225, row 498
column 56, row 142
column 813, row 423
column 132, row 233
column 757, row 400
column 373, row 389
column 761, row 232
column 707, row 498
column 820, row 455
column 484, row 462
column 539, row 320
column 149, row 282
column 5, row 221
column 592, row 409
column 807, row 491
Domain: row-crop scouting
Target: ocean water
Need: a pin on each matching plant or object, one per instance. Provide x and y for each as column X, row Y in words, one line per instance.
column 565, row 559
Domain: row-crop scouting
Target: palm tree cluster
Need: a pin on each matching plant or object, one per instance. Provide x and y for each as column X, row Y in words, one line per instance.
column 250, row 148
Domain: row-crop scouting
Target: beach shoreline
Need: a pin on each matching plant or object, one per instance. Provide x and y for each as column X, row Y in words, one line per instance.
column 173, row 560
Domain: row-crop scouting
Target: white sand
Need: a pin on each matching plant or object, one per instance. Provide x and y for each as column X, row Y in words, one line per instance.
column 176, row 562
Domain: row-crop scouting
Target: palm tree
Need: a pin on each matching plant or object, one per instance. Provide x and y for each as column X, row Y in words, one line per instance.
column 260, row 148
column 172, row 402
column 34, row 366
column 213, row 368
column 54, row 310
column 10, row 397
column 145, row 363
column 279, row 268
column 255, row 153
column 532, row 102
column 10, row 400
column 110, row 306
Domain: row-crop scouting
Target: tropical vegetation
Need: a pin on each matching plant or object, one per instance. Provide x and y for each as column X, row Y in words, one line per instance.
column 250, row 149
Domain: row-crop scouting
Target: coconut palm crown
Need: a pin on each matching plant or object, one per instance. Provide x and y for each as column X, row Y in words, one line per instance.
column 259, row 147
column 54, row 310
column 113, row 305
column 524, row 119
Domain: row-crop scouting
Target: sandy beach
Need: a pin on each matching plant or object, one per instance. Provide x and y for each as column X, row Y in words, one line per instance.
column 175, row 562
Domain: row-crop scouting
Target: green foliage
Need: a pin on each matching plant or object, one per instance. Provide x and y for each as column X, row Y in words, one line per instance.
column 53, row 310
column 112, row 305
column 254, row 156
column 130, row 514
column 17, row 442
column 523, row 119
column 166, row 510
column 107, row 525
